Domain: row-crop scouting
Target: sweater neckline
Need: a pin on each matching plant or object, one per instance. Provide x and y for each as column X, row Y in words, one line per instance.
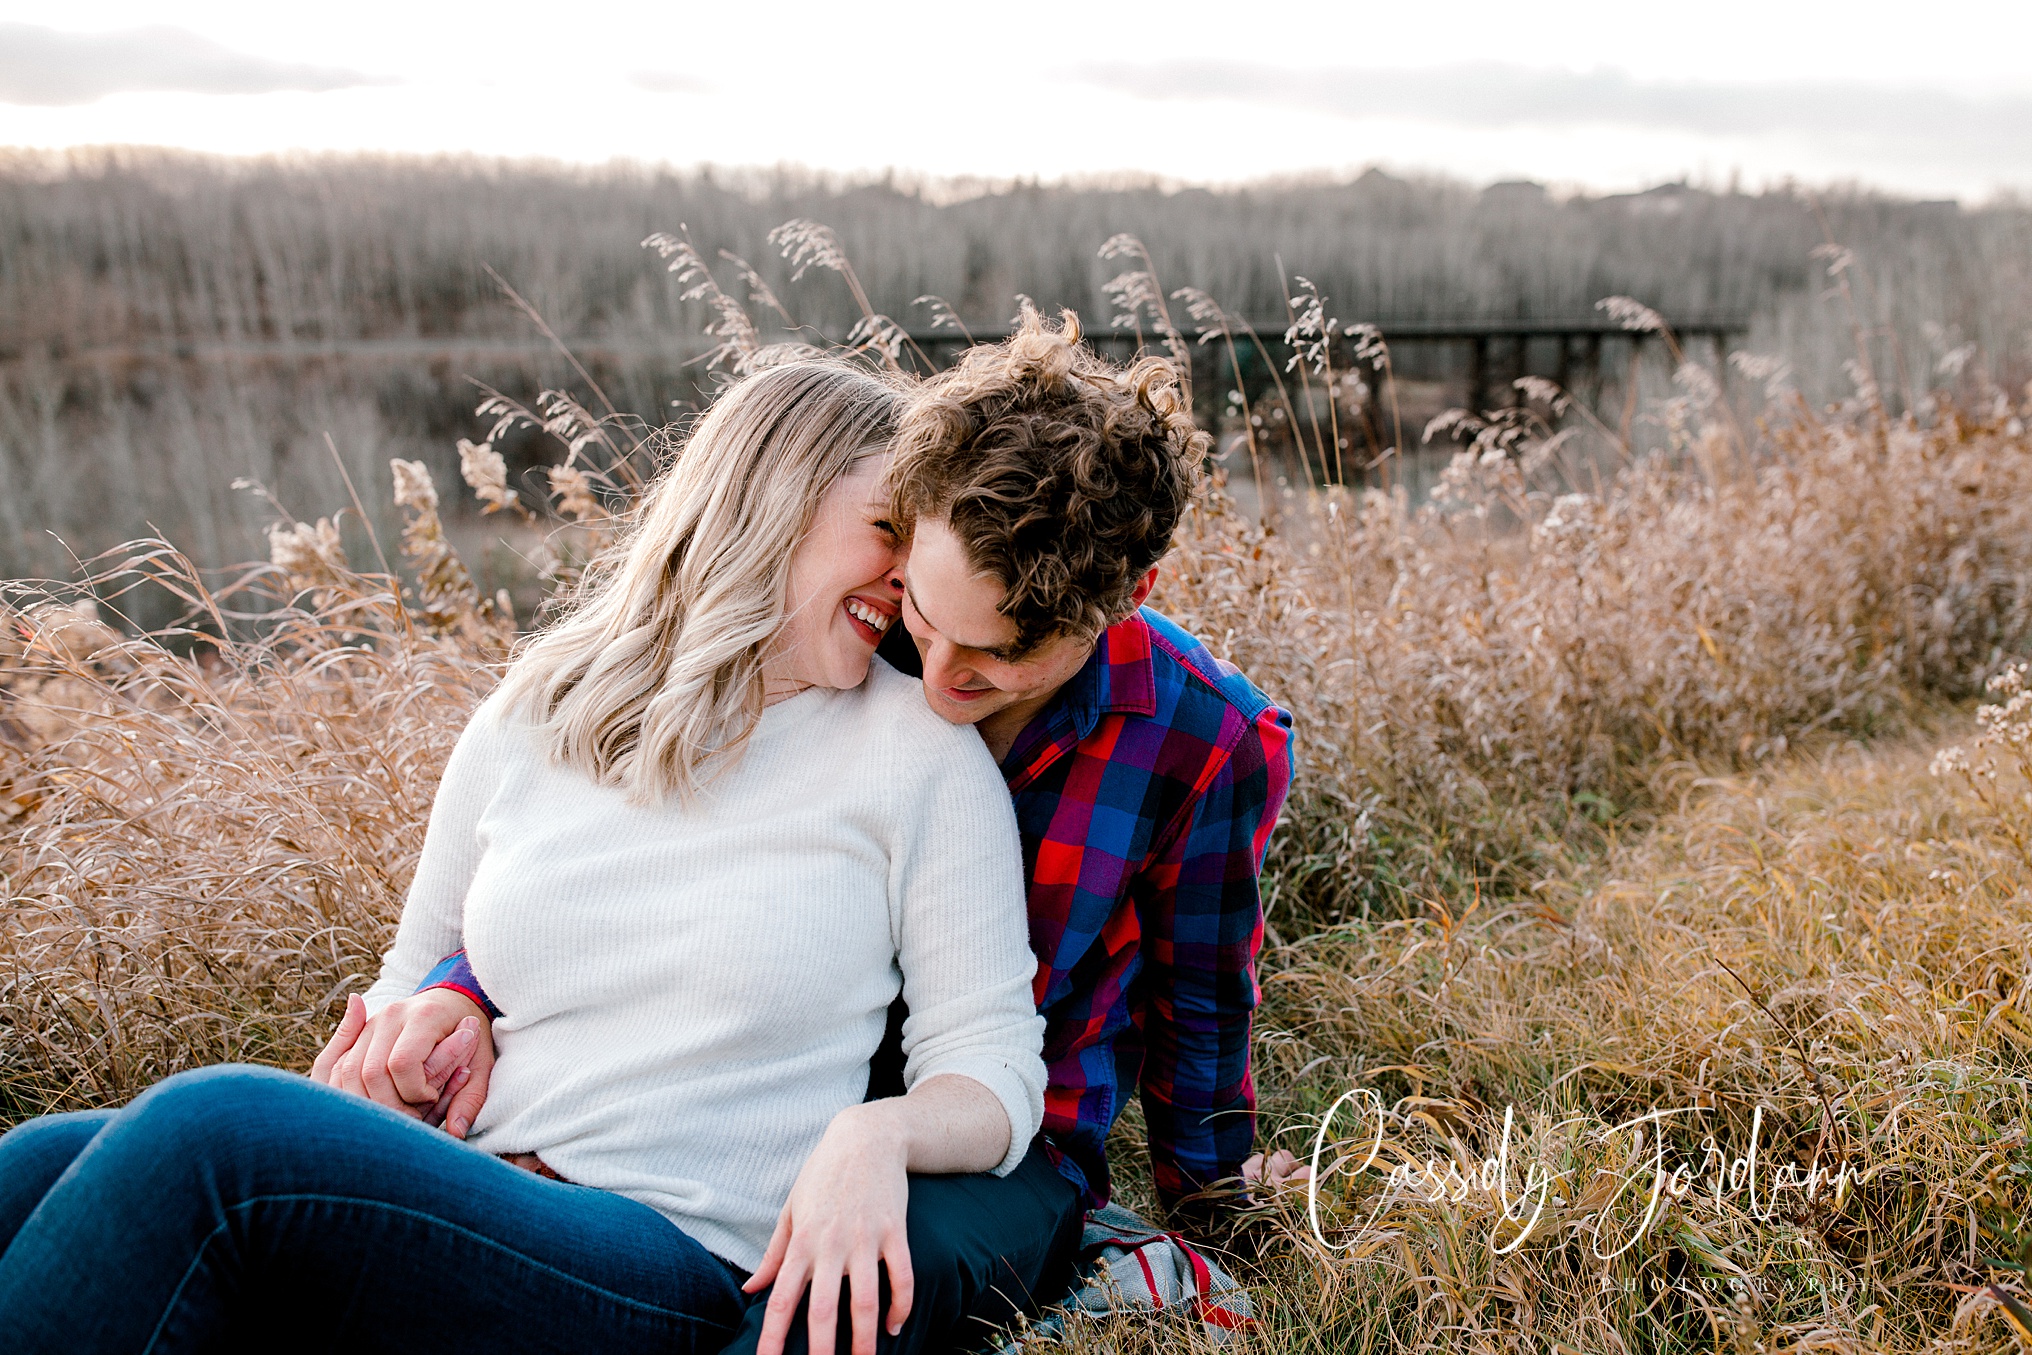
column 796, row 709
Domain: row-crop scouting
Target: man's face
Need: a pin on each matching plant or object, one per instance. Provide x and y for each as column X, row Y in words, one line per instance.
column 970, row 670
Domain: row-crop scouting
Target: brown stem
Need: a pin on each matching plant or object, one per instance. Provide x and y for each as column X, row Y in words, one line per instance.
column 1798, row 1049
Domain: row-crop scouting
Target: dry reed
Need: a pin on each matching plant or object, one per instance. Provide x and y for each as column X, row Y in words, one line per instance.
column 213, row 844
column 1488, row 681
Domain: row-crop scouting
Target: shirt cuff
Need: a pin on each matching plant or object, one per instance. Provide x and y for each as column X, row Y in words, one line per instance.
column 456, row 973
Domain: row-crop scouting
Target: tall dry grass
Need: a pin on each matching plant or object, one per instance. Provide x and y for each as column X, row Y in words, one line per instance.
column 1613, row 794
column 1531, row 665
column 208, row 832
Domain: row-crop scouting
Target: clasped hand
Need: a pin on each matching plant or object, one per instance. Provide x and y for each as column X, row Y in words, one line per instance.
column 427, row 1056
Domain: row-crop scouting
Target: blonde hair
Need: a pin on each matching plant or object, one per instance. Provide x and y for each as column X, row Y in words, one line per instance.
column 656, row 668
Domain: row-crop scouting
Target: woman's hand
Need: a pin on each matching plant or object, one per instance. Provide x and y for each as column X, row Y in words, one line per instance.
column 845, row 1215
column 428, row 1056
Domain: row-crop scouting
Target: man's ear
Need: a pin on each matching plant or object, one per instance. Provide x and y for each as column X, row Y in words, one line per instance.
column 1142, row 593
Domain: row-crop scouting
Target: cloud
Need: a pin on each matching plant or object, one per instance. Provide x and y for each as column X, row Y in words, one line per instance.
column 49, row 67
column 669, row 82
column 1489, row 95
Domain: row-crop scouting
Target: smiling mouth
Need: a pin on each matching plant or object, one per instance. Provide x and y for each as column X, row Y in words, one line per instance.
column 872, row 621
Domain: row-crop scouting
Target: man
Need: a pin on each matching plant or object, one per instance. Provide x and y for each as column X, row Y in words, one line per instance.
column 1043, row 485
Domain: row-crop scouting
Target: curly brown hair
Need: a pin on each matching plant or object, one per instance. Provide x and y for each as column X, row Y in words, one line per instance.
column 1062, row 474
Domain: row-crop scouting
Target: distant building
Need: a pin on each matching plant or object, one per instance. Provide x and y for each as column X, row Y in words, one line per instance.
column 1514, row 193
column 1667, row 199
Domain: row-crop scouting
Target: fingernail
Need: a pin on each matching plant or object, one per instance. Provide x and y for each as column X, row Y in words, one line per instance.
column 457, row 1126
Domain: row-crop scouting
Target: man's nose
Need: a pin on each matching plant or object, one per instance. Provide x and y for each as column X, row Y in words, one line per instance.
column 940, row 668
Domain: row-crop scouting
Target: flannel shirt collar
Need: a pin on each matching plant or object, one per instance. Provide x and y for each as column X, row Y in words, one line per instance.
column 1119, row 677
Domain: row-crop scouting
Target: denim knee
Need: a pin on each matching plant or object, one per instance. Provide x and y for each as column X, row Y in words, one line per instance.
column 34, row 1155
column 194, row 1110
column 59, row 1137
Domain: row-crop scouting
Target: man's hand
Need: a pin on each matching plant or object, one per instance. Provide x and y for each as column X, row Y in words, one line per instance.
column 428, row 1056
column 1280, row 1172
column 844, row 1218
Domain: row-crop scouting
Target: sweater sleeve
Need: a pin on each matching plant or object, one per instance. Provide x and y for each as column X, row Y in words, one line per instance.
column 962, row 933
column 433, row 915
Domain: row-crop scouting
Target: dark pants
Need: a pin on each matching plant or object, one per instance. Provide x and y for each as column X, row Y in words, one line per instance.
column 983, row 1249
column 245, row 1209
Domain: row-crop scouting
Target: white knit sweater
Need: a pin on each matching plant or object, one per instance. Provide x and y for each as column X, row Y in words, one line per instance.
column 691, row 993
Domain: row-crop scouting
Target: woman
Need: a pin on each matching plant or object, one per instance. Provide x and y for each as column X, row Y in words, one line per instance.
column 693, row 845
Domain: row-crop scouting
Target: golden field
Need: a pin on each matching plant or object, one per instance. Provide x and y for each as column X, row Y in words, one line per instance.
column 1618, row 792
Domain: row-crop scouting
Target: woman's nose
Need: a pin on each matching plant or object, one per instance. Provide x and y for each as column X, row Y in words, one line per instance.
column 894, row 580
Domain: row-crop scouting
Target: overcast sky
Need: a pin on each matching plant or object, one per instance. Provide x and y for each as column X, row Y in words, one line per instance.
column 1932, row 100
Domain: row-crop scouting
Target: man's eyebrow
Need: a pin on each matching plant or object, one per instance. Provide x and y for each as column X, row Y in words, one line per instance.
column 997, row 652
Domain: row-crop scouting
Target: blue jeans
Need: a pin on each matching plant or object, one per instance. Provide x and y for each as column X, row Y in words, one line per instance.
column 242, row 1208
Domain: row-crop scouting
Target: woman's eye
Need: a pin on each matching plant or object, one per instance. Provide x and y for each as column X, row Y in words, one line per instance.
column 886, row 527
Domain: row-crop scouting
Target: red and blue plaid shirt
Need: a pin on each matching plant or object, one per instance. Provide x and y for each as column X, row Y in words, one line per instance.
column 1145, row 793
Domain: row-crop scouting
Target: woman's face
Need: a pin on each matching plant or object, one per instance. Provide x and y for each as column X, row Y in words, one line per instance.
column 846, row 587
